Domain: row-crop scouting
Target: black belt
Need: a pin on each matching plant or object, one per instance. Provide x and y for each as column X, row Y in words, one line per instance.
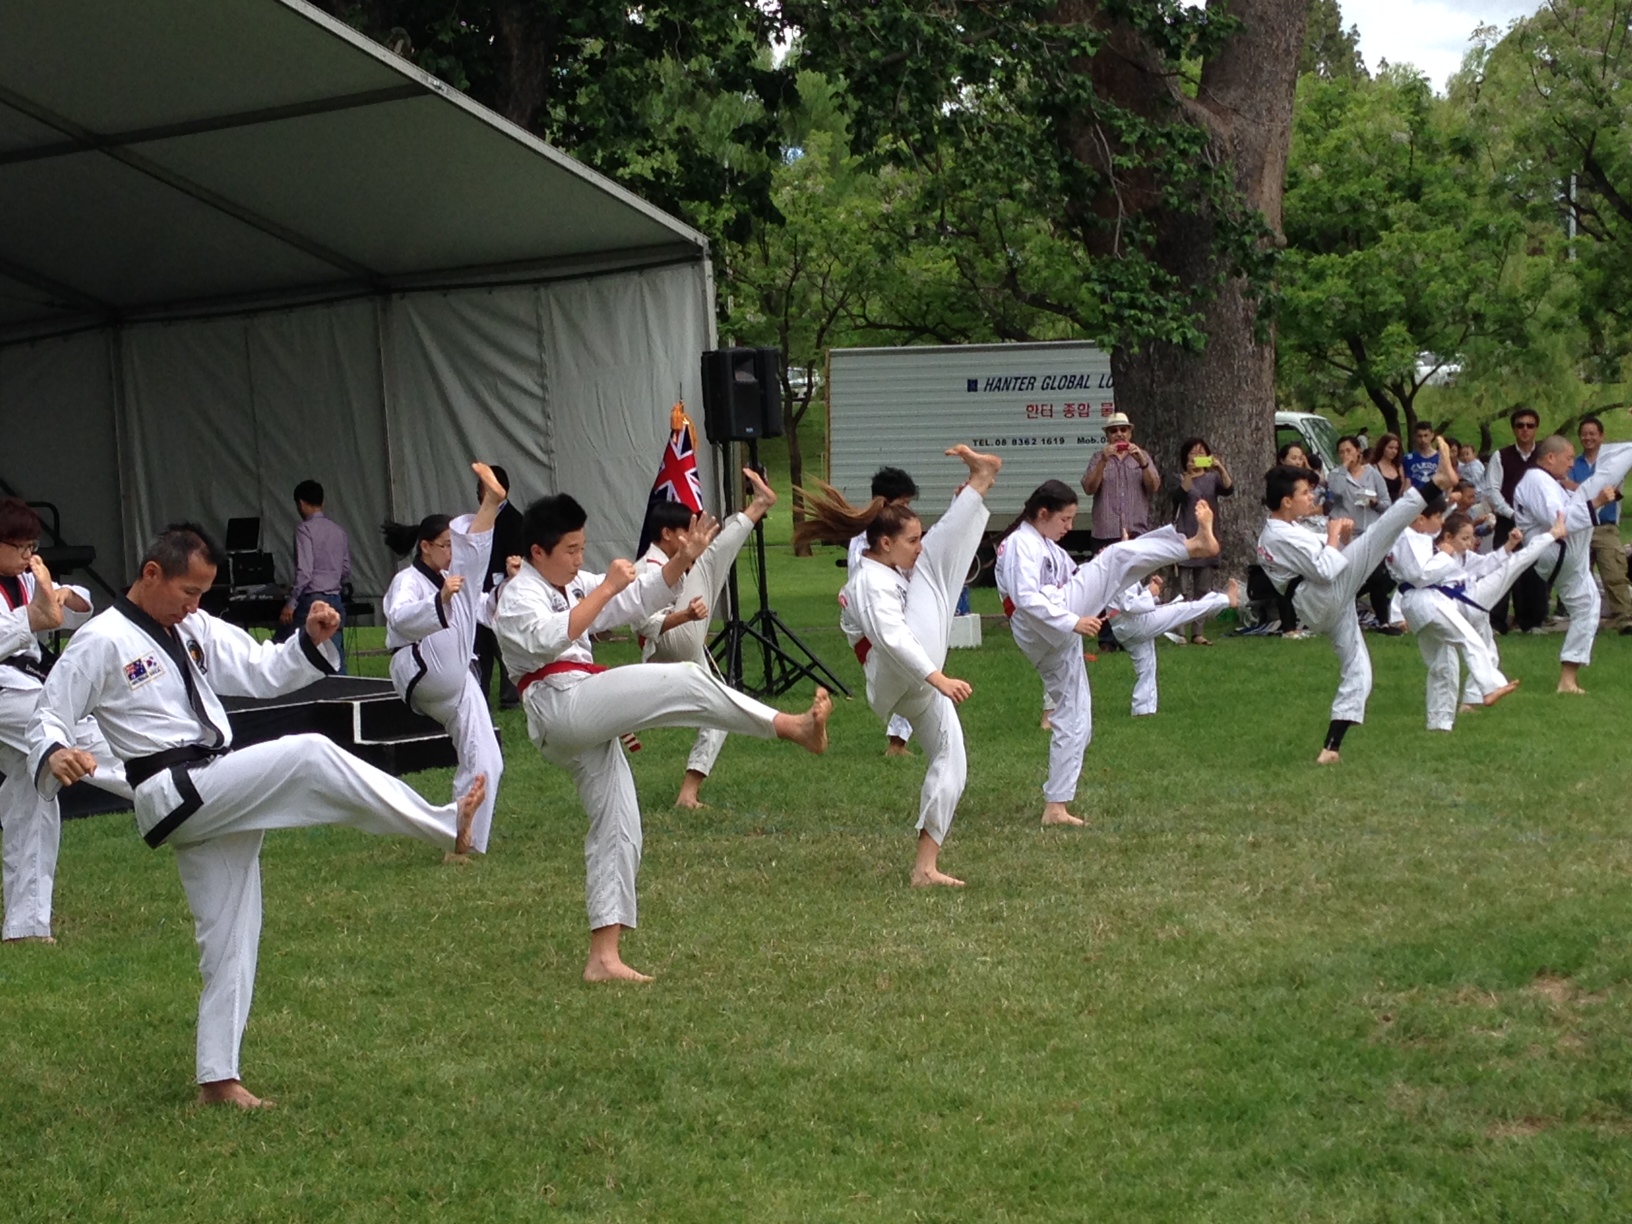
column 143, row 768
column 26, row 665
column 1292, row 587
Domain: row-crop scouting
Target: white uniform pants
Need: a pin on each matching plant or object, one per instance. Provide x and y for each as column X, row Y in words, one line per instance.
column 1574, row 585
column 1446, row 638
column 1138, row 631
column 1328, row 607
column 434, row 676
column 1065, row 676
column 577, row 726
column 688, row 643
column 294, row 782
column 1487, row 591
column 932, row 598
column 31, row 826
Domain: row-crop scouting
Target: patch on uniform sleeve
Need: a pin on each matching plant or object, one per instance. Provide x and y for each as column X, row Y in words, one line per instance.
column 196, row 653
column 139, row 671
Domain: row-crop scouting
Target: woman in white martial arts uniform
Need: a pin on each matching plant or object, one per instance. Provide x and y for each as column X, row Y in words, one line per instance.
column 1053, row 604
column 432, row 609
column 151, row 668
column 1486, row 578
column 679, row 634
column 1138, row 618
column 897, row 614
column 30, row 824
column 577, row 710
column 1539, row 498
column 893, row 485
column 1324, row 577
column 1432, row 595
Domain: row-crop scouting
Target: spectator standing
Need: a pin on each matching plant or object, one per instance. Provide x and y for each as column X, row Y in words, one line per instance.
column 1506, row 468
column 1359, row 495
column 1385, row 457
column 1121, row 479
column 1204, row 478
column 1607, row 552
column 1423, row 461
column 322, row 567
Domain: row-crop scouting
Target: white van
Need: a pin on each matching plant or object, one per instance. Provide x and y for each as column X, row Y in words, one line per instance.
column 1314, row 433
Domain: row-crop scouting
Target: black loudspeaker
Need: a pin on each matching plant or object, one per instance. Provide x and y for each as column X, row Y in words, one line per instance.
column 742, row 394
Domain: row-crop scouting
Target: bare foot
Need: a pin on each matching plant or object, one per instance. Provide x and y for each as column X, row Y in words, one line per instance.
column 1056, row 814
column 230, row 1092
column 895, row 746
column 1232, row 589
column 492, row 490
column 1204, row 543
column 1572, row 688
column 1467, row 708
column 1048, row 723
column 983, row 469
column 613, row 970
column 468, row 803
column 764, row 496
column 808, row 730
column 689, row 786
column 1444, row 475
column 39, row 939
column 1493, row 697
column 1328, row 757
column 929, row 877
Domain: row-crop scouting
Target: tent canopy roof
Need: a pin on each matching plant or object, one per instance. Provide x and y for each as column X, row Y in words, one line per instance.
column 183, row 156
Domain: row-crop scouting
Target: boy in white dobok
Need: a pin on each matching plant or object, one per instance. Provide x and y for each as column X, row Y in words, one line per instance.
column 1053, row 604
column 432, row 608
column 1324, row 577
column 679, row 633
column 897, row 616
column 1539, row 499
column 1138, row 618
column 1432, row 595
column 30, row 824
column 151, row 668
column 577, row 709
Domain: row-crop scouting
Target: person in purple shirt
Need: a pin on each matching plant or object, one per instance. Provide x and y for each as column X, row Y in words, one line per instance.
column 322, row 566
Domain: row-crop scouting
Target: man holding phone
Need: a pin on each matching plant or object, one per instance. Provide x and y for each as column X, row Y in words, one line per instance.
column 1121, row 479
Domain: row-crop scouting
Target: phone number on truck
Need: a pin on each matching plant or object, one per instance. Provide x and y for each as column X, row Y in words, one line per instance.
column 1034, row 440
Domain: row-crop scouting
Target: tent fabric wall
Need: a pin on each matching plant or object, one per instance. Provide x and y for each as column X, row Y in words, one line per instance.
column 385, row 400
column 59, row 439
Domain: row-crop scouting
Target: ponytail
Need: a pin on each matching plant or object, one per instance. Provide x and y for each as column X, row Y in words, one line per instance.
column 832, row 520
column 403, row 538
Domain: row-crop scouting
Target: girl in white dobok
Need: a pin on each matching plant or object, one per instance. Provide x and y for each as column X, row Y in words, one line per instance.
column 1053, row 604
column 432, row 608
column 897, row 614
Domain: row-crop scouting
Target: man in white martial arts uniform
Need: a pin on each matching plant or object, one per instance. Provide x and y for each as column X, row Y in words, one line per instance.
column 679, row 634
column 151, row 668
column 1325, row 577
column 577, row 710
column 1432, row 586
column 897, row 486
column 1138, row 618
column 1538, row 500
column 30, row 824
column 1054, row 604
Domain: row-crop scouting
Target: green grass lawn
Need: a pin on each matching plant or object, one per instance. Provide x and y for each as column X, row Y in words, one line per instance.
column 1394, row 990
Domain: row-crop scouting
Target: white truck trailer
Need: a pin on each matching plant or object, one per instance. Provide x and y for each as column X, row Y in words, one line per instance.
column 1040, row 407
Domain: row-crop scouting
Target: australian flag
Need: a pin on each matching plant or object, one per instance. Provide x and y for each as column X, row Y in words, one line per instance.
column 676, row 476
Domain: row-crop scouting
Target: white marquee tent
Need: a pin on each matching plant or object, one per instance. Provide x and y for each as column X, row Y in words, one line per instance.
column 241, row 245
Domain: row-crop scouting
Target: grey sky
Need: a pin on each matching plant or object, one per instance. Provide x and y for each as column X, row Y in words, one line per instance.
column 1432, row 34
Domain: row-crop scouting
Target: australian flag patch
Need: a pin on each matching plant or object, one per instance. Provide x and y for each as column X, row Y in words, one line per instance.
column 139, row 671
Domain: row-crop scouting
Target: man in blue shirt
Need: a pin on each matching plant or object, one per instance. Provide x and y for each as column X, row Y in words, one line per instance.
column 1421, row 464
column 1608, row 553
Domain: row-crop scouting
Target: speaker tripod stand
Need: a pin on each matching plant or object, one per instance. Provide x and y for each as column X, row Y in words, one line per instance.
column 786, row 659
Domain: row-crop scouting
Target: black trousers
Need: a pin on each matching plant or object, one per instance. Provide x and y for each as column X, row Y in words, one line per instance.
column 1530, row 594
column 487, row 657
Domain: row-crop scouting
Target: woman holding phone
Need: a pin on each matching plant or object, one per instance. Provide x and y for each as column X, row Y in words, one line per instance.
column 1204, row 478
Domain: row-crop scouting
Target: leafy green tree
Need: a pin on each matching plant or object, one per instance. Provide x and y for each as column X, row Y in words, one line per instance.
column 1328, row 49
column 1396, row 262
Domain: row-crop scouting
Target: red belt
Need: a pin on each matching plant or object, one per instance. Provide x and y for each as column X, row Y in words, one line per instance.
column 863, row 648
column 1008, row 606
column 557, row 668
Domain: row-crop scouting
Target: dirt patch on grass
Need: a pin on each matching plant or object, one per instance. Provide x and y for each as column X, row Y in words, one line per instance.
column 1561, row 991
column 1518, row 1128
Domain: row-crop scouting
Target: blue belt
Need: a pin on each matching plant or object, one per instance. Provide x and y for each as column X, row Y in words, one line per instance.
column 1458, row 593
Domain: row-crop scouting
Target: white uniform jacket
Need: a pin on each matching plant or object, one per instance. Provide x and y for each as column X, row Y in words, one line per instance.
column 1030, row 572
column 874, row 619
column 531, row 622
column 1291, row 550
column 152, row 691
column 20, row 656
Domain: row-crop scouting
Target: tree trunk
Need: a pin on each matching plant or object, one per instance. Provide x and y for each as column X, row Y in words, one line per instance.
column 523, row 41
column 1224, row 392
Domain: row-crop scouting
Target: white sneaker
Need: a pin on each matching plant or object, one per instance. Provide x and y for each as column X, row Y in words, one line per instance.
column 1174, row 638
